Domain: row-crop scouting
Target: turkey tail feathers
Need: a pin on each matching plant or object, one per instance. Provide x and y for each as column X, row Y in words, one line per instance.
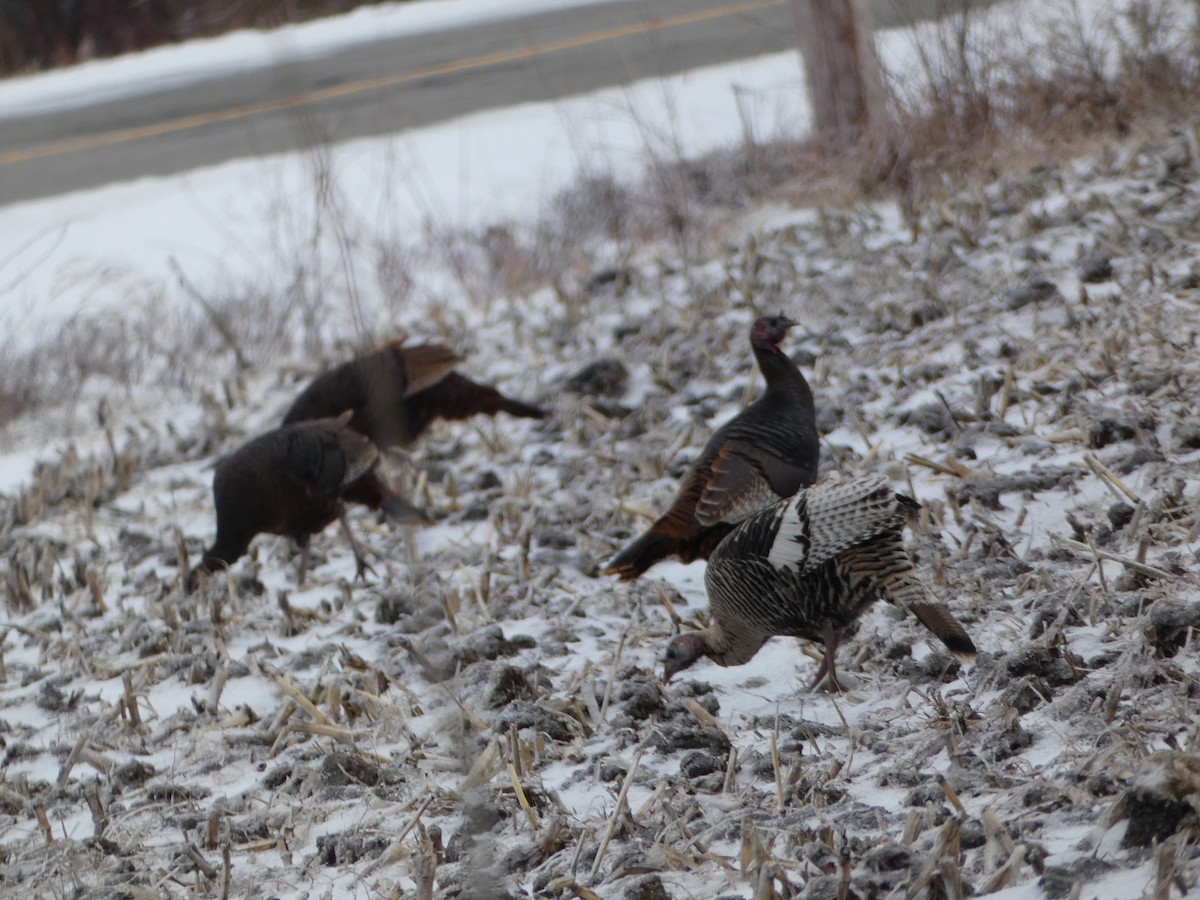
column 939, row 620
column 641, row 555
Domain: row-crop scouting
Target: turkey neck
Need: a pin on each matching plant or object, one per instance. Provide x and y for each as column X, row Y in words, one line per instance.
column 732, row 648
column 784, row 381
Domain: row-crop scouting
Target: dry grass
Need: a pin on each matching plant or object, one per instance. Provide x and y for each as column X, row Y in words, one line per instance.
column 988, row 104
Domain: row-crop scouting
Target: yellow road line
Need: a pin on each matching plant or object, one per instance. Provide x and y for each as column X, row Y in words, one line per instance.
column 126, row 135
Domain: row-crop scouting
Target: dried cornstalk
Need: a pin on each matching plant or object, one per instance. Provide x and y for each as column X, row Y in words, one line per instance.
column 279, row 728
column 659, row 790
column 65, row 772
column 1113, row 701
column 217, row 687
column 424, row 872
column 483, row 770
column 522, row 799
column 730, row 771
column 586, row 688
column 952, row 880
column 779, row 804
column 227, row 865
column 236, row 719
column 1133, row 564
column 331, row 731
column 567, row 883
column 702, row 715
column 202, row 864
column 395, row 849
column 12, row 798
column 644, row 512
column 212, row 831
column 683, row 860
column 130, row 700
column 851, row 735
column 514, row 751
column 302, row 701
column 751, row 854
column 946, row 848
column 451, row 602
column 616, row 815
column 333, row 699
column 39, row 811
column 612, row 676
column 96, row 806
column 97, row 592
column 951, row 795
column 259, row 846
column 1115, row 485
column 676, row 621
column 1007, row 873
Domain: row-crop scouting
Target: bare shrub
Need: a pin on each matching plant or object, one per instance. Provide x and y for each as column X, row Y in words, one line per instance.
column 990, row 99
column 176, row 342
column 598, row 223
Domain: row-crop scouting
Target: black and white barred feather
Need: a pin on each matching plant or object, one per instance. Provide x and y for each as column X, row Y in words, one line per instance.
column 817, row 524
column 807, row 567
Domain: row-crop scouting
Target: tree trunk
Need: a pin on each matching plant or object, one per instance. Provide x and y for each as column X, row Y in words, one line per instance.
column 845, row 84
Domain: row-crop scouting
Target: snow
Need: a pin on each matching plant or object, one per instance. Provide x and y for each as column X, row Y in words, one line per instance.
column 394, row 664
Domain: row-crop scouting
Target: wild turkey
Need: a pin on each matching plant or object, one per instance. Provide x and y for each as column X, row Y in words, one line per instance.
column 395, row 393
column 289, row 481
column 807, row 567
column 767, row 451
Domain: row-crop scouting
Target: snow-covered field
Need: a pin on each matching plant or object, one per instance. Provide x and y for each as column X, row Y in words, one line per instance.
column 484, row 719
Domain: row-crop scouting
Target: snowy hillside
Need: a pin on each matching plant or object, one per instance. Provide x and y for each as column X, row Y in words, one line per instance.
column 484, row 718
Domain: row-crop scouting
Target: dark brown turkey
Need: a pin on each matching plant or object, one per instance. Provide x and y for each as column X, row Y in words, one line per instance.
column 395, row 393
column 290, row 482
column 807, row 567
column 767, row 451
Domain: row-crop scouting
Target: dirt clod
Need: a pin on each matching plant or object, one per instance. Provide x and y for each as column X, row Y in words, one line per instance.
column 1154, row 816
column 340, row 768
column 602, row 378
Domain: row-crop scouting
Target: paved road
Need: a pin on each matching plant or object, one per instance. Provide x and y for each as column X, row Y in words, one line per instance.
column 388, row 86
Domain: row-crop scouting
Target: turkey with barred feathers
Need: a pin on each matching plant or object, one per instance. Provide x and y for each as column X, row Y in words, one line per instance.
column 808, row 567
